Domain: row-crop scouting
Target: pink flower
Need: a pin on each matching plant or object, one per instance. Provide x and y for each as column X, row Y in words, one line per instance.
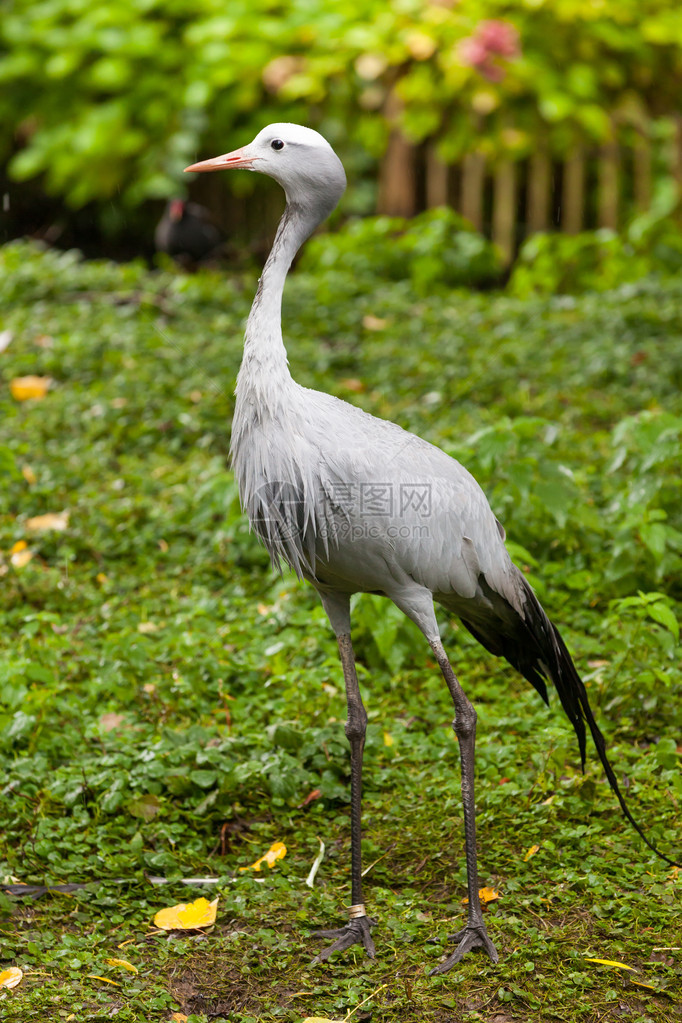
column 472, row 52
column 498, row 37
column 491, row 40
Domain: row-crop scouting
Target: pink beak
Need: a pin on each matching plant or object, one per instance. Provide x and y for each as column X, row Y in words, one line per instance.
column 239, row 158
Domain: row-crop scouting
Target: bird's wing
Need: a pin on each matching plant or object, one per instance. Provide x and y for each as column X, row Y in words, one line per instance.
column 429, row 513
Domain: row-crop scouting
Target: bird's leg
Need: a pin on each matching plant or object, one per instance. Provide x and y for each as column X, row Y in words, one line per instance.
column 474, row 935
column 357, row 930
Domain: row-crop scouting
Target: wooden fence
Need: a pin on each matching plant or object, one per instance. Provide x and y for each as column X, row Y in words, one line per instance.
column 510, row 200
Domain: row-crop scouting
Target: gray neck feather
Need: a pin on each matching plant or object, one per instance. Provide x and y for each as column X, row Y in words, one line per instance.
column 268, row 439
column 312, row 193
column 264, row 370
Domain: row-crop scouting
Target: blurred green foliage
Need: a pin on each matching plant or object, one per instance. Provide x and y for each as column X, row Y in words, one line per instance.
column 602, row 260
column 119, row 96
column 436, row 249
column 559, row 264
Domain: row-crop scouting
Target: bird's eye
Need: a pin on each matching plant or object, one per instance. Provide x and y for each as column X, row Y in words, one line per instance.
column 277, row 144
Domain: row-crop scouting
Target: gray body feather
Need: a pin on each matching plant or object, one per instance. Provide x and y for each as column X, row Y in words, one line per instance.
column 355, row 503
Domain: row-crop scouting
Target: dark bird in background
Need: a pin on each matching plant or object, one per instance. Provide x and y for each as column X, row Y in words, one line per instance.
column 187, row 232
column 356, row 504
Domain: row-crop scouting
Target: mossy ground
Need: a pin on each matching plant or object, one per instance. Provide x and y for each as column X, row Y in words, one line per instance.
column 167, row 704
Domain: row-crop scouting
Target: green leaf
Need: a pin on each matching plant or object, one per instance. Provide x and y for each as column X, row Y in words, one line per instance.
column 38, row 673
column 146, row 806
column 664, row 615
column 285, row 736
column 654, row 535
column 8, row 463
column 204, row 779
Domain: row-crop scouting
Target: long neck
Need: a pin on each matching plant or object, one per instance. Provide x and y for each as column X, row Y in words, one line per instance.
column 264, row 370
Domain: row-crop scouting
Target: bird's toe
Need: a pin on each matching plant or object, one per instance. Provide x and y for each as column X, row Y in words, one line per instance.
column 355, row 932
column 468, row 939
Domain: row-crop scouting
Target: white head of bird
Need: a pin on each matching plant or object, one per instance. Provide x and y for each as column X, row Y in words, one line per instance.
column 299, row 158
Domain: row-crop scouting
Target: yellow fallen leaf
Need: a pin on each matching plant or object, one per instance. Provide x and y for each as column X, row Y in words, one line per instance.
column 353, row 384
column 29, row 475
column 485, row 895
column 95, row 976
column 179, row 1017
column 274, row 853
column 187, row 916
column 531, row 852
column 111, row 720
column 23, row 388
column 122, row 962
column 12, row 977
column 388, row 739
column 102, row 578
column 641, row 983
column 370, row 322
column 52, row 520
column 610, row 962
column 19, row 554
column 321, row 1019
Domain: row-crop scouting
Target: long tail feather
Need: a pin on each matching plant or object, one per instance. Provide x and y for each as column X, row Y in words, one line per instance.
column 535, row 648
column 569, row 673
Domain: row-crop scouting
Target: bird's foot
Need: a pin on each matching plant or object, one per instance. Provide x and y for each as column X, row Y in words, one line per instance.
column 356, row 932
column 472, row 936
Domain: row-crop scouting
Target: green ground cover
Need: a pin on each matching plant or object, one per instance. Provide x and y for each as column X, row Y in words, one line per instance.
column 167, row 704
